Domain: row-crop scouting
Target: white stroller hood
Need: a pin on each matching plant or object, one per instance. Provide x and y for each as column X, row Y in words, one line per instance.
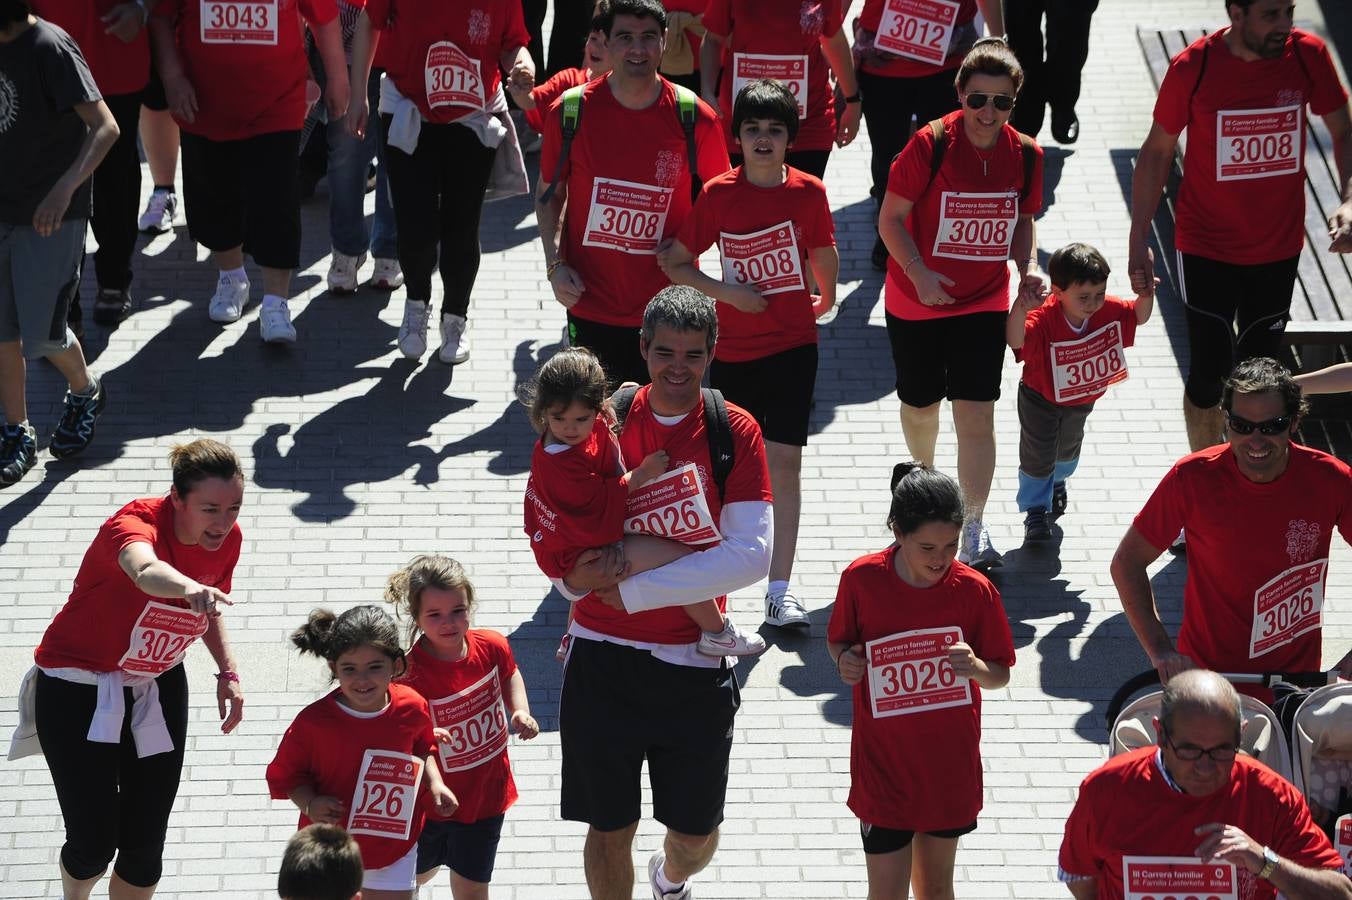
column 1321, row 744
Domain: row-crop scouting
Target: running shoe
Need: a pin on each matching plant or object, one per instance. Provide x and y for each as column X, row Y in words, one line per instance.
column 413, row 330
column 1059, row 500
column 159, row 213
column 111, row 306
column 227, row 304
column 454, row 344
column 343, row 272
column 274, row 323
column 76, row 428
column 18, row 452
column 977, row 550
column 655, row 863
column 730, row 642
column 1036, row 527
column 785, row 611
column 386, row 276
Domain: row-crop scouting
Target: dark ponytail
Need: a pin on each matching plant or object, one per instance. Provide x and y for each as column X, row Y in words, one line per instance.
column 921, row 495
column 329, row 637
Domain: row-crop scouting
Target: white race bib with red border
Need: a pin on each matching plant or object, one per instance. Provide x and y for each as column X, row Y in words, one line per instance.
column 789, row 70
column 1178, row 878
column 1086, row 366
column 626, row 216
column 909, row 672
column 476, row 721
column 976, row 226
column 451, row 77
column 917, row 29
column 160, row 638
column 1342, row 842
column 1257, row 143
column 386, row 794
column 672, row 506
column 229, row 22
column 767, row 261
column 1289, row 605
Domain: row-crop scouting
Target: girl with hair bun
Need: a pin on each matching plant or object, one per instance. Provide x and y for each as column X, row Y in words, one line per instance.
column 918, row 635
column 360, row 757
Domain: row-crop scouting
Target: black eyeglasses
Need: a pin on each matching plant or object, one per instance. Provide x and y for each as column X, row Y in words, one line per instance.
column 1003, row 102
column 1188, row 753
column 1272, row 426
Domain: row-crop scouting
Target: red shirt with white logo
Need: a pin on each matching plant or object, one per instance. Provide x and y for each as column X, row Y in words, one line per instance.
column 1047, row 325
column 444, row 56
column 325, row 747
column 246, row 62
column 118, row 66
column 625, row 196
column 483, row 784
column 1242, row 198
column 685, row 442
column 94, row 629
column 775, row 39
column 916, row 21
column 1257, row 555
column 1127, row 808
column 963, row 222
column 764, row 236
column 545, row 94
column 918, row 772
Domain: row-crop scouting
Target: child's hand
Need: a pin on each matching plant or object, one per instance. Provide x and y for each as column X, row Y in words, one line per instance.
column 1026, row 303
column 963, row 660
column 851, row 665
column 441, row 735
column 1033, row 287
column 327, row 810
column 653, row 465
column 524, row 725
column 443, row 798
column 746, row 299
column 521, row 78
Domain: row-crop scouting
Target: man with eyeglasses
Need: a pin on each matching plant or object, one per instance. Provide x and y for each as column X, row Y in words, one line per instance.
column 1195, row 817
column 1259, row 512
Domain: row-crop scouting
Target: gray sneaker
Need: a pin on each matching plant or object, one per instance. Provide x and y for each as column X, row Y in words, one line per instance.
column 977, row 550
column 655, row 862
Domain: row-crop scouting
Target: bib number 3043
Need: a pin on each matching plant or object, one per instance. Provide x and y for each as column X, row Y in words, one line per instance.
column 386, row 794
column 909, row 672
column 227, row 22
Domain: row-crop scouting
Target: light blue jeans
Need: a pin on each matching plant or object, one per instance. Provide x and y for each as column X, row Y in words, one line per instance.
column 348, row 162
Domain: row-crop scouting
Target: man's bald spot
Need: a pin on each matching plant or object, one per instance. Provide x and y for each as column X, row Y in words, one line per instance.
column 1199, row 692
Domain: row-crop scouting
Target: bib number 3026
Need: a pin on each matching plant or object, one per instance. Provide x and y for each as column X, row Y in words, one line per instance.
column 909, row 672
column 386, row 794
column 1289, row 605
column 475, row 720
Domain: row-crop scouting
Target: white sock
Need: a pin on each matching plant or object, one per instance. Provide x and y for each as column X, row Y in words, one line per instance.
column 778, row 588
column 271, row 300
column 235, row 276
column 664, row 885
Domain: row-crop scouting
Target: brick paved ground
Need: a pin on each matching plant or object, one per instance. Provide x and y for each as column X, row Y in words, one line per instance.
column 359, row 459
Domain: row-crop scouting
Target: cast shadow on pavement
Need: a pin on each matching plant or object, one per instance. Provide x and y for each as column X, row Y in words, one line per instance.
column 533, row 644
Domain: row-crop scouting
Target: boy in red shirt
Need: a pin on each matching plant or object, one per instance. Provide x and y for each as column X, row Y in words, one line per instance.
column 535, row 102
column 1071, row 346
column 771, row 223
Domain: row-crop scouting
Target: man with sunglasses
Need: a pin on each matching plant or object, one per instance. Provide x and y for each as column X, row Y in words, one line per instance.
column 1194, row 817
column 1259, row 512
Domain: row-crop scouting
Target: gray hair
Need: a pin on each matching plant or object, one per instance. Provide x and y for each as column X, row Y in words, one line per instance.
column 681, row 308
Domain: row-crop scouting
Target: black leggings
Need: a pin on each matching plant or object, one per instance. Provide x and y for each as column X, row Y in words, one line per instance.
column 1057, row 79
column 889, row 104
column 117, row 193
column 112, row 801
column 438, row 194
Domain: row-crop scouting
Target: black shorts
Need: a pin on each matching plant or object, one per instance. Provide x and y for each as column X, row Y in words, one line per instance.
column 244, row 193
column 621, row 705
column 958, row 357
column 615, row 345
column 775, row 389
column 152, row 95
column 889, row 840
column 468, row 849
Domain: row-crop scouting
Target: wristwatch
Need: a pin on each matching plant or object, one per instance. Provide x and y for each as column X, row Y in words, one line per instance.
column 1270, row 860
column 854, row 98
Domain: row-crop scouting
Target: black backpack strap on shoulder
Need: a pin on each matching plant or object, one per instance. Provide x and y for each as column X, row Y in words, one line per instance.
column 620, row 401
column 687, row 109
column 1201, row 69
column 1029, row 152
column 936, row 128
column 719, row 432
column 570, row 116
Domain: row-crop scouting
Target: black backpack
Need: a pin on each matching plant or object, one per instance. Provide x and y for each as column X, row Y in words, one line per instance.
column 1026, row 148
column 716, row 429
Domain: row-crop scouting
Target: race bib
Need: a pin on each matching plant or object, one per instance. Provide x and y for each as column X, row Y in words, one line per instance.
column 1288, row 606
column 1257, row 143
column 476, row 721
column 767, row 260
column 1342, row 842
column 976, row 226
column 1086, row 366
column 789, row 70
column 160, row 638
column 1178, row 878
column 909, row 672
column 626, row 216
column 226, row 22
column 452, row 77
column 672, row 506
column 386, row 794
column 917, row 29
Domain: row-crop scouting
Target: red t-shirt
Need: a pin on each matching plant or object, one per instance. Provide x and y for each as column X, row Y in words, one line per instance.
column 96, row 626
column 551, row 90
column 480, row 778
column 755, row 228
column 981, row 221
column 920, row 771
column 772, row 28
column 575, row 499
column 613, row 248
column 119, row 67
column 924, row 33
column 685, row 442
column 1127, row 808
column 246, row 63
column 444, row 56
column 1243, row 198
column 325, row 747
column 1047, row 325
column 1250, row 547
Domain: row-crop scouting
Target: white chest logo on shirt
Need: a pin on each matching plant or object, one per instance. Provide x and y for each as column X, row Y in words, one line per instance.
column 1290, row 97
column 667, row 168
column 9, row 103
column 479, row 24
column 812, row 17
column 1302, row 538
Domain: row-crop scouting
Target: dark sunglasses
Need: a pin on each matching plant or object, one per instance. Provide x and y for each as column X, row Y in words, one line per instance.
column 1003, row 102
column 1270, row 427
column 1191, row 753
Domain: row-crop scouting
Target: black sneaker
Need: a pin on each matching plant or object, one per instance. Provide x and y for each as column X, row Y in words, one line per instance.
column 75, row 318
column 18, row 452
column 76, row 428
column 111, row 306
column 1036, row 528
column 1058, row 500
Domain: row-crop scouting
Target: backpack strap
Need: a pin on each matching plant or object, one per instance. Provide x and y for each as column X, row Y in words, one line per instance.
column 570, row 115
column 719, row 432
column 1201, row 69
column 620, row 401
column 1029, row 152
column 936, row 128
column 687, row 109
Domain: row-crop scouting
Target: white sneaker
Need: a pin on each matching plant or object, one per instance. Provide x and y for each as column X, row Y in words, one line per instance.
column 730, row 642
column 454, row 345
column 343, row 272
column 159, row 212
column 387, row 275
column 655, row 863
column 413, row 331
column 274, row 323
column 977, row 550
column 785, row 611
column 227, row 304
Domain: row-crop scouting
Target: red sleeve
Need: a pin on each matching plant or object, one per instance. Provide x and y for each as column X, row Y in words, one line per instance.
column 1328, row 94
column 1345, row 515
column 233, row 544
column 427, row 741
column 1296, row 837
column 545, row 95
column 711, row 147
column 130, row 527
column 750, row 477
column 318, row 12
column 910, row 175
column 506, row 660
column 1171, row 106
column 590, row 505
column 718, row 19
column 378, row 11
column 290, row 768
column 700, row 228
column 1161, row 519
column 993, row 642
column 835, row 18
column 1033, row 205
column 1034, row 340
column 1077, row 845
column 514, row 35
column 844, row 626
column 1126, row 317
column 821, row 230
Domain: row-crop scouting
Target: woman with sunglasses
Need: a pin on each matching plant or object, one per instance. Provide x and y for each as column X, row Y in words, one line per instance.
column 959, row 205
